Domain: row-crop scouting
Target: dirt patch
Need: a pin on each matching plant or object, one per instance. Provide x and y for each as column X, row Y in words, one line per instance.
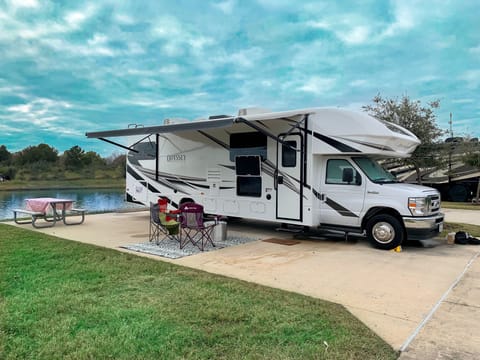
column 282, row 241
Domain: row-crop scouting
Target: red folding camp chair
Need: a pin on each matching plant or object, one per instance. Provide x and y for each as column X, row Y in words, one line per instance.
column 162, row 226
column 195, row 230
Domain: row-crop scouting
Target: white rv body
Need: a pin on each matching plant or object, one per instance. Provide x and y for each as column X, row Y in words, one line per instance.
column 312, row 167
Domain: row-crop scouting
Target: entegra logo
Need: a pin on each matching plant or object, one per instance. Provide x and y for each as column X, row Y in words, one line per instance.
column 177, row 157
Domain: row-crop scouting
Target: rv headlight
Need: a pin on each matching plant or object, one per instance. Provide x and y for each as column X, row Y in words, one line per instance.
column 418, row 206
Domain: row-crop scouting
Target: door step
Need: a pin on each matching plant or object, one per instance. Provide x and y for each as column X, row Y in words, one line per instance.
column 291, row 228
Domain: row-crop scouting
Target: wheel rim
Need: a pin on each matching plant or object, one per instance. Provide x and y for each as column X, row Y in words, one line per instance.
column 383, row 232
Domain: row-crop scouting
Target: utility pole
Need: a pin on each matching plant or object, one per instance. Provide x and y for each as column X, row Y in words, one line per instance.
column 451, row 128
column 450, row 152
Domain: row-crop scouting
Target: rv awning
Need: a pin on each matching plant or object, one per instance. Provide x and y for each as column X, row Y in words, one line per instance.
column 197, row 125
column 248, row 120
column 194, row 125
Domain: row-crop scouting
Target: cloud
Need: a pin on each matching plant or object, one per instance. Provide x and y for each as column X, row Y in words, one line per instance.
column 178, row 38
column 463, row 101
column 245, row 58
column 318, row 85
column 10, row 130
column 404, row 18
column 472, row 78
column 42, row 28
column 16, row 4
column 84, row 50
column 226, row 6
column 345, row 29
column 18, row 90
column 124, row 19
column 356, row 25
column 41, row 112
column 360, row 83
column 117, row 61
column 475, row 50
column 277, row 4
column 142, row 100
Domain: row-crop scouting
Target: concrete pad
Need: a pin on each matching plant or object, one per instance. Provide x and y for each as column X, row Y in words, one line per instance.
column 453, row 331
column 390, row 292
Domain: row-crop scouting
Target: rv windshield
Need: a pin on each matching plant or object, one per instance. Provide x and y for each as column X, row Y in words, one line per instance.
column 375, row 171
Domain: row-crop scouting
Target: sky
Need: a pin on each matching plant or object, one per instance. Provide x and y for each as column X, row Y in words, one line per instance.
column 71, row 67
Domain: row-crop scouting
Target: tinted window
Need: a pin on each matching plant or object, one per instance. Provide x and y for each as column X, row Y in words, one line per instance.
column 341, row 172
column 374, row 170
column 247, row 165
column 289, row 154
column 251, row 143
column 249, row 186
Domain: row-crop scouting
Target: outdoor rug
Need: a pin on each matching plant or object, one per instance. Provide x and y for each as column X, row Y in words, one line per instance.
column 282, row 241
column 170, row 248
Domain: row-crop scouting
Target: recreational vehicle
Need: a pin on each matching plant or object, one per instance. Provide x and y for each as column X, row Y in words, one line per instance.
column 315, row 168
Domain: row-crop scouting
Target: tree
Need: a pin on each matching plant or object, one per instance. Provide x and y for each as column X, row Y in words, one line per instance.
column 118, row 163
column 92, row 159
column 5, row 155
column 472, row 158
column 73, row 159
column 37, row 154
column 419, row 119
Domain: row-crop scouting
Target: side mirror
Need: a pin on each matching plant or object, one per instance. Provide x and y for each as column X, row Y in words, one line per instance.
column 358, row 179
column 347, row 175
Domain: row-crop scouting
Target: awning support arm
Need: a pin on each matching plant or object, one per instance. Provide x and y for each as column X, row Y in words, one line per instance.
column 297, row 125
column 117, row 144
column 139, row 141
column 264, row 132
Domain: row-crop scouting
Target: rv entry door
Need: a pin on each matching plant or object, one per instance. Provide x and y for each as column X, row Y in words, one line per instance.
column 289, row 177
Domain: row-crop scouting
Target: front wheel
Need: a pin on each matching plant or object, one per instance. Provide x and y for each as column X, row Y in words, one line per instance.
column 385, row 232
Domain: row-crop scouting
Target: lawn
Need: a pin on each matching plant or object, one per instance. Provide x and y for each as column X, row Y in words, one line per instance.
column 62, row 299
column 460, row 205
column 473, row 230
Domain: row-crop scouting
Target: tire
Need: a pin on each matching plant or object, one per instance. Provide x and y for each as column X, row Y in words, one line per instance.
column 385, row 232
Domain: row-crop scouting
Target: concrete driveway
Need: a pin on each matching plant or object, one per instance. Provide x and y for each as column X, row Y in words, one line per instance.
column 423, row 301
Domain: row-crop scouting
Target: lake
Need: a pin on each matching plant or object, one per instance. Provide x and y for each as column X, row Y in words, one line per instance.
column 94, row 200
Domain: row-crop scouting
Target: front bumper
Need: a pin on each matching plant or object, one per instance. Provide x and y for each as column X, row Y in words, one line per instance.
column 422, row 228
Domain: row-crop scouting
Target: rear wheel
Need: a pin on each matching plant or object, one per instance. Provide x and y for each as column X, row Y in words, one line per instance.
column 385, row 232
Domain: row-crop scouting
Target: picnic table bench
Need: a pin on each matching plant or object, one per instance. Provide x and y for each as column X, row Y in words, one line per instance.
column 49, row 209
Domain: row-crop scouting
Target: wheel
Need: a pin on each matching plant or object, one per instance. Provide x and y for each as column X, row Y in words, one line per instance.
column 385, row 232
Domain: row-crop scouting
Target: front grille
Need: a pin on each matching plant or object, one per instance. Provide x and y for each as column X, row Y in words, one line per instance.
column 434, row 204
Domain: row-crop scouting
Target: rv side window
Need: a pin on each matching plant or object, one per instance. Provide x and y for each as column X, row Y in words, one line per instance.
column 251, row 143
column 247, row 165
column 289, row 154
column 341, row 172
column 249, row 186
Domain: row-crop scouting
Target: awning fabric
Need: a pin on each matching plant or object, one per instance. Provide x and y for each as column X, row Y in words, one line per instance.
column 197, row 125
column 194, row 125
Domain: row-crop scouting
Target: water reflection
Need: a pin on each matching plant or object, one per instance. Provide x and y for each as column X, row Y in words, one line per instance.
column 94, row 200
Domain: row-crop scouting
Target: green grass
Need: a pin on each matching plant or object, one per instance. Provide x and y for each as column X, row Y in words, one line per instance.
column 62, row 299
column 473, row 230
column 460, row 205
